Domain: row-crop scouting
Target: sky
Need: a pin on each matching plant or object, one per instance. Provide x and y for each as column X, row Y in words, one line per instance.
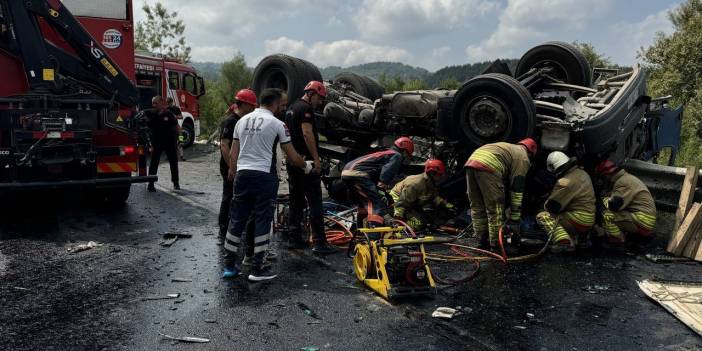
column 427, row 33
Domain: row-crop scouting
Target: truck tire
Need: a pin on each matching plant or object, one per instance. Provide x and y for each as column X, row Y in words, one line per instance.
column 493, row 107
column 111, row 197
column 284, row 72
column 569, row 63
column 376, row 90
column 188, row 133
column 360, row 85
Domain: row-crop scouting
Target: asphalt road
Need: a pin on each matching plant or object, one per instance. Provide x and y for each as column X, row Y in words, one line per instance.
column 51, row 299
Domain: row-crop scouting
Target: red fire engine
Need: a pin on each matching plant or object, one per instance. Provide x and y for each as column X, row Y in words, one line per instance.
column 68, row 96
column 170, row 78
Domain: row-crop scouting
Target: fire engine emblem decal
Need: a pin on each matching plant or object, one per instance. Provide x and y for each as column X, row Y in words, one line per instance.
column 112, row 39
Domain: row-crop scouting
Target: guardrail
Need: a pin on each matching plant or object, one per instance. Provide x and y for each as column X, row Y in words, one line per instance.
column 664, row 182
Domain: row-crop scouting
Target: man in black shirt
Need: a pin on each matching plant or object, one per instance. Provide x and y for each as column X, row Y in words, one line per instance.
column 244, row 103
column 306, row 190
column 179, row 114
column 163, row 126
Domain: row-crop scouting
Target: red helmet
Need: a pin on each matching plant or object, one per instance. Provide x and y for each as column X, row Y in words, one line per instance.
column 317, row 87
column 606, row 167
column 247, row 96
column 436, row 166
column 530, row 145
column 406, row 144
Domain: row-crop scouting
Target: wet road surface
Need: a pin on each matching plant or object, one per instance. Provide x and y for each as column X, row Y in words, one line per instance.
column 51, row 299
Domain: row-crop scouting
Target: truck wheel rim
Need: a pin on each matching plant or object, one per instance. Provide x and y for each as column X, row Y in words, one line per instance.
column 487, row 118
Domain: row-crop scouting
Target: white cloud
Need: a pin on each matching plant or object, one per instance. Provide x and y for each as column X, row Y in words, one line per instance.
column 440, row 53
column 378, row 20
column 337, row 53
column 335, row 23
column 632, row 36
column 213, row 53
column 524, row 23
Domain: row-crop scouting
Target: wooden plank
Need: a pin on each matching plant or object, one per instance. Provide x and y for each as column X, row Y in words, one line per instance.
column 691, row 248
column 686, row 196
column 683, row 235
column 698, row 257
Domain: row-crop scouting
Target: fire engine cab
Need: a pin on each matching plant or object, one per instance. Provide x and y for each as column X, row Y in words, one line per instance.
column 171, row 78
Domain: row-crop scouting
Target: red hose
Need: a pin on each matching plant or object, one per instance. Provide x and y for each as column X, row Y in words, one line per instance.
column 407, row 226
column 338, row 237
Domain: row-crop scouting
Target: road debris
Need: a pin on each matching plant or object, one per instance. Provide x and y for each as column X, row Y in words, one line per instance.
column 444, row 312
column 682, row 299
column 190, row 339
column 170, row 238
column 597, row 289
column 308, row 311
column 167, row 297
column 181, row 280
column 210, row 321
column 520, row 327
column 665, row 258
column 83, row 247
column 309, row 348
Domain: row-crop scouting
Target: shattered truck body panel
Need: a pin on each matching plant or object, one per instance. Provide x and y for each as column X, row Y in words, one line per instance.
column 67, row 100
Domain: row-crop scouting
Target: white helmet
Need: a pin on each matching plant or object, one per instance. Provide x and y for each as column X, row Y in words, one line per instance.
column 556, row 160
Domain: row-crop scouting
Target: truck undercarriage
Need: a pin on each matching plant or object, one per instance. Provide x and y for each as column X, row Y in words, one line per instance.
column 552, row 96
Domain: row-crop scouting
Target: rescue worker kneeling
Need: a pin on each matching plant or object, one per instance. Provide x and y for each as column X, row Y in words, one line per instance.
column 570, row 207
column 487, row 170
column 373, row 172
column 629, row 207
column 417, row 194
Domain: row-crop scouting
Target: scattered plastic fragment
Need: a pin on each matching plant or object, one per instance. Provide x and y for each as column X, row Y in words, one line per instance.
column 444, row 312
column 307, row 310
column 665, row 258
column 83, row 247
column 191, row 339
column 181, row 280
column 170, row 238
column 520, row 327
column 167, row 297
column 309, row 348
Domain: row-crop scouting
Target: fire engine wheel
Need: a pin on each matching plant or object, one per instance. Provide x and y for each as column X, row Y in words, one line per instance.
column 494, row 107
column 111, row 196
column 188, row 131
column 567, row 63
column 284, row 72
column 360, row 85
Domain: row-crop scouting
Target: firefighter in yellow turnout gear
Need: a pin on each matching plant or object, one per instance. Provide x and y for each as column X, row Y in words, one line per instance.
column 570, row 207
column 487, row 171
column 629, row 206
column 416, row 193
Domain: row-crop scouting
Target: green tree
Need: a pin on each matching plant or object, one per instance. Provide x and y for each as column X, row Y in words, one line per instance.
column 414, row 84
column 234, row 75
column 675, row 65
column 450, row 84
column 162, row 33
column 595, row 58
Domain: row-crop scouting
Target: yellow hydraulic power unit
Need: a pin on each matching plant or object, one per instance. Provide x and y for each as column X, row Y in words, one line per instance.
column 393, row 266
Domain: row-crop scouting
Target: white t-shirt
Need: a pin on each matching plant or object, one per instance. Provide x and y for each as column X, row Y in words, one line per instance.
column 258, row 134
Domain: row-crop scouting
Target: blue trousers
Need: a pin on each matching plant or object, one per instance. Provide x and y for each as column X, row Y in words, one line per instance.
column 254, row 192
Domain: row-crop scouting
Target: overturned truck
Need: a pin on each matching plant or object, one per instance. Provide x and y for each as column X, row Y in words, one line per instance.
column 552, row 95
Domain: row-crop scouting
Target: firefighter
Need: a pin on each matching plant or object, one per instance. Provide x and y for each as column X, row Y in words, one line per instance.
column 417, row 194
column 570, row 207
column 487, row 170
column 629, row 209
column 306, row 189
column 163, row 126
column 253, row 166
column 175, row 110
column 244, row 103
column 373, row 172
